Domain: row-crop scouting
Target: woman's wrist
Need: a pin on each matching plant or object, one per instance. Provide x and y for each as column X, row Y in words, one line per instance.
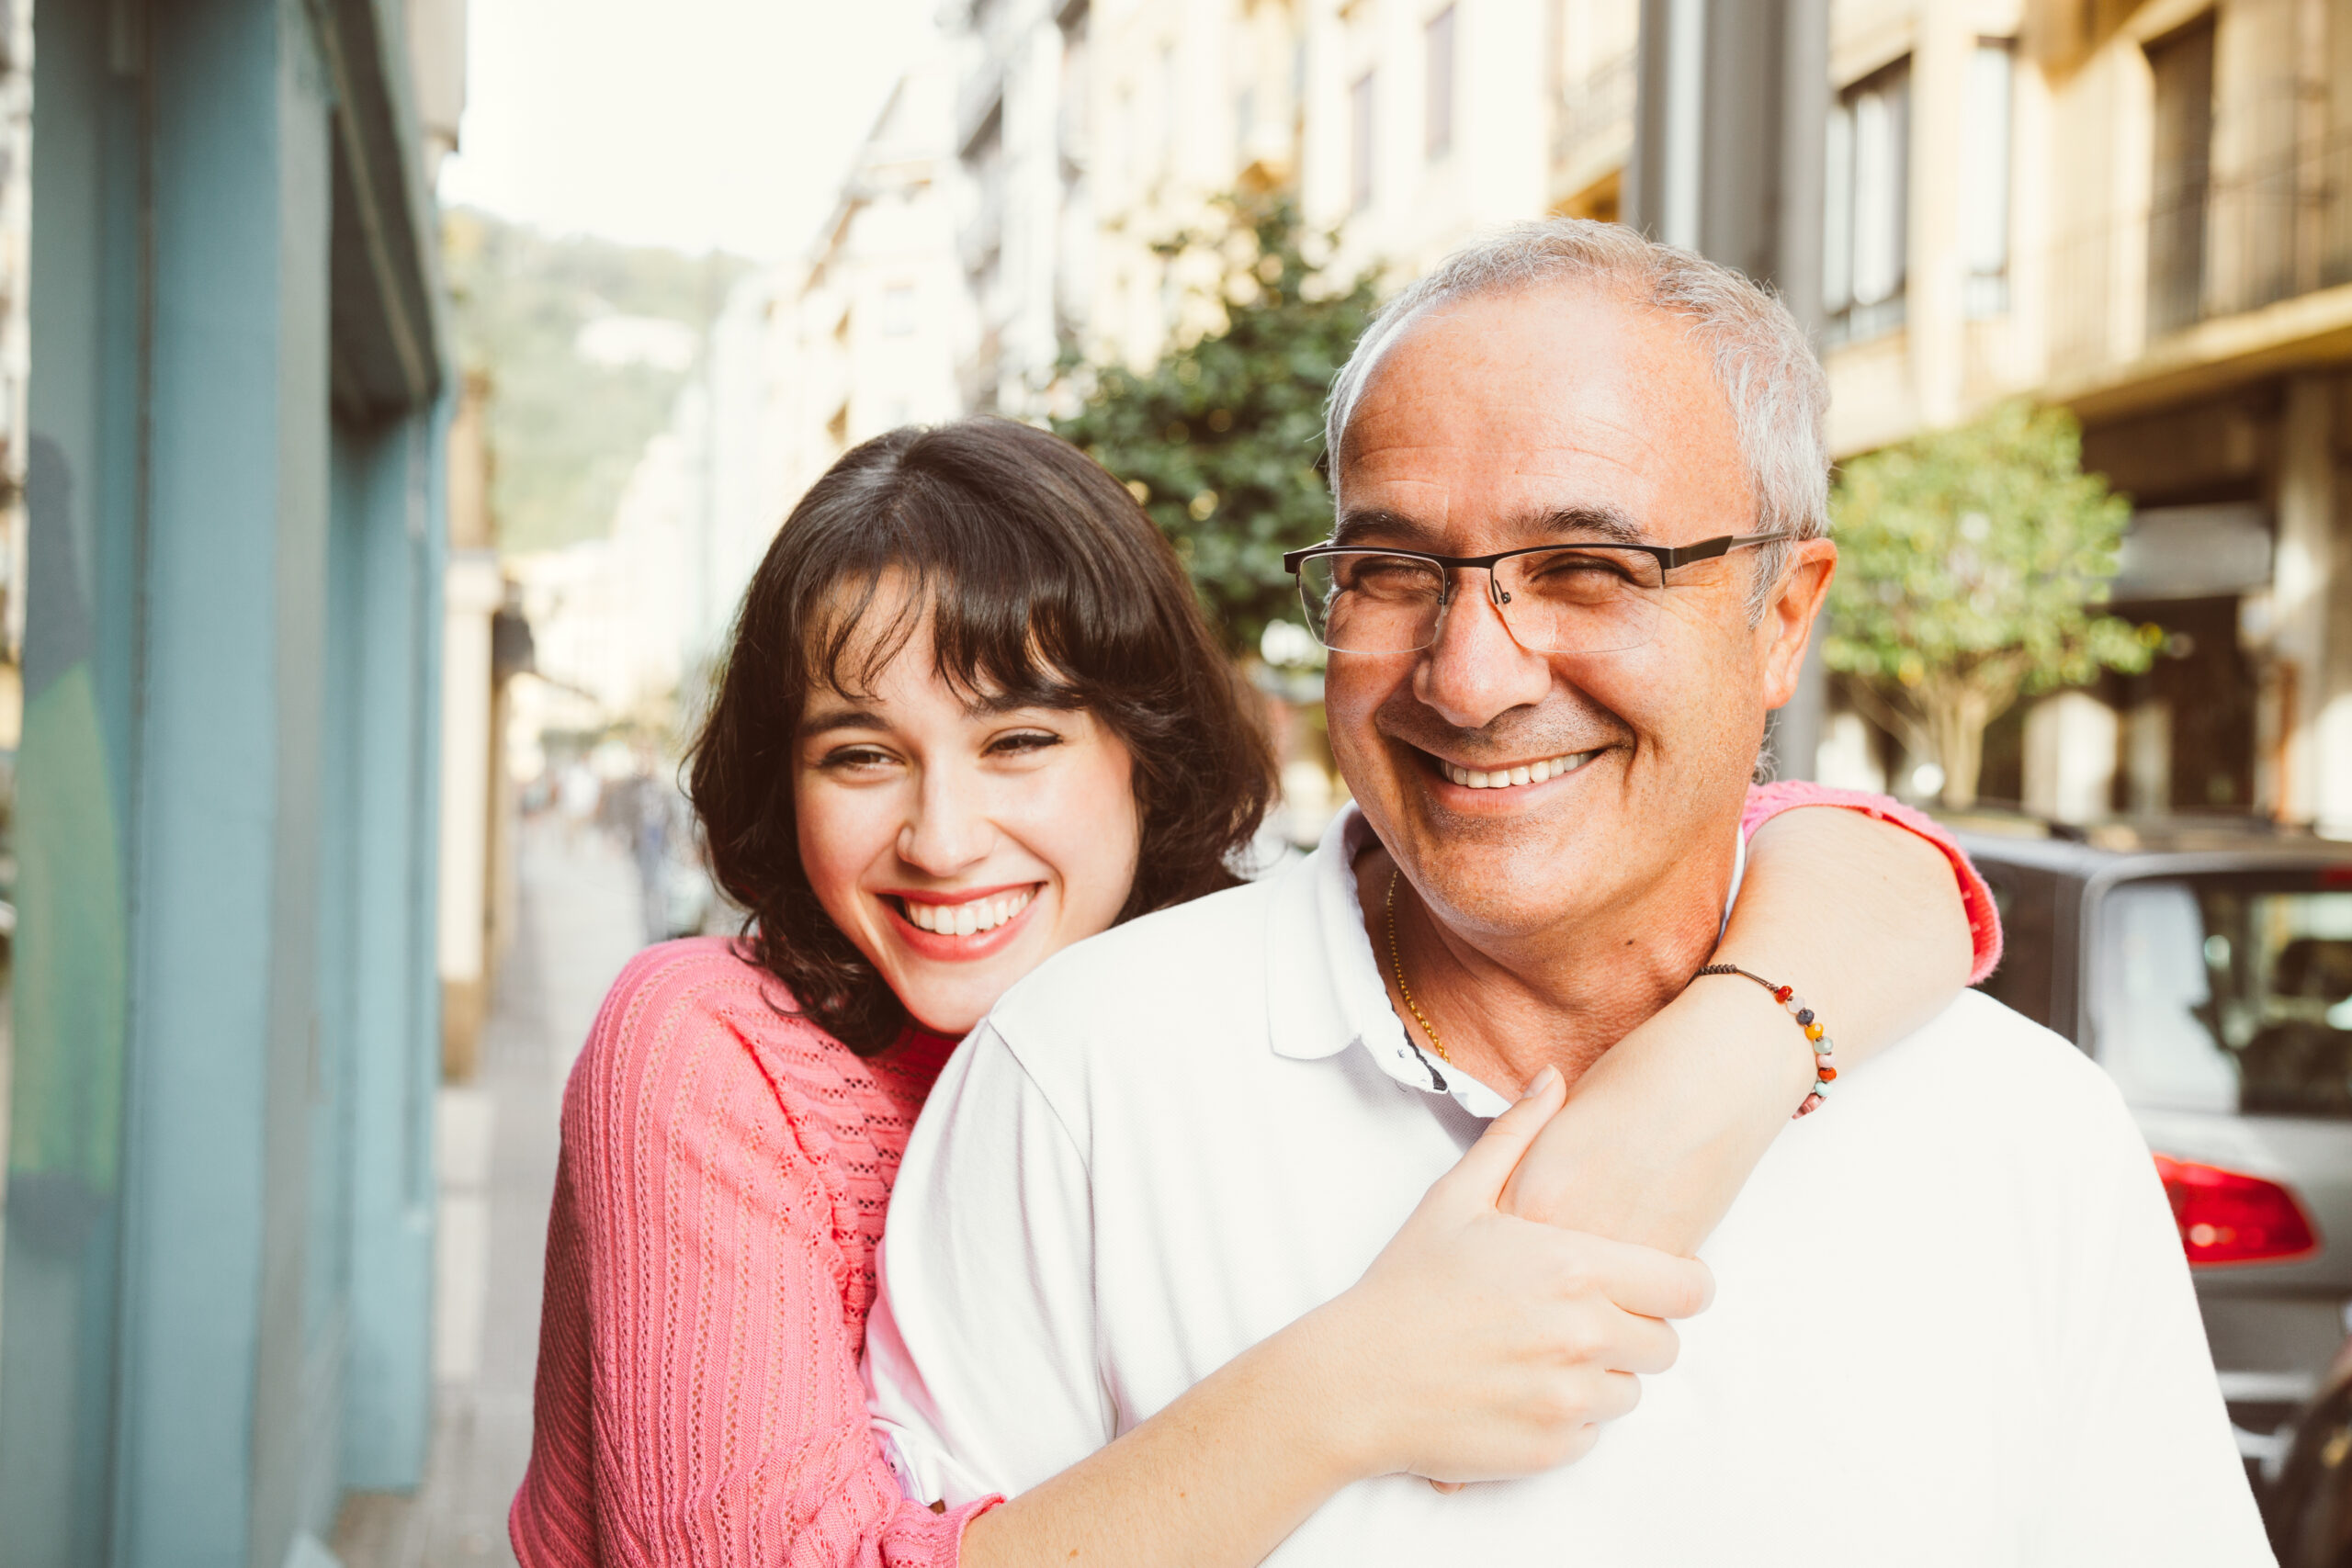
column 1323, row 1385
column 1658, row 1135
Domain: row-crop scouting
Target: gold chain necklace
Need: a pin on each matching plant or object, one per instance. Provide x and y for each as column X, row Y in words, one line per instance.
column 1396, row 960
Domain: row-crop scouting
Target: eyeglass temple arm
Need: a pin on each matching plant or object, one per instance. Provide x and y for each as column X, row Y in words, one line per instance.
column 1671, row 556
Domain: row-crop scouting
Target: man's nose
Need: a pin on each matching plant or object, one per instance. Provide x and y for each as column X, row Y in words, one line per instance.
column 947, row 831
column 1476, row 671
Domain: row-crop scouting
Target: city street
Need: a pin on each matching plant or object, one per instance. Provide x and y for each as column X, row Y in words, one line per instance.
column 577, row 923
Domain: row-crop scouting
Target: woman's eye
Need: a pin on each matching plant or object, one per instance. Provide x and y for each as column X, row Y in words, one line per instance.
column 852, row 759
column 1024, row 742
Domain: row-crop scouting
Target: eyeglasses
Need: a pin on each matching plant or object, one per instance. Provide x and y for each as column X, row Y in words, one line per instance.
column 1585, row 598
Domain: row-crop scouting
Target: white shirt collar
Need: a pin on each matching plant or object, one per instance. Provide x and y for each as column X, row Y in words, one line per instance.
column 1324, row 981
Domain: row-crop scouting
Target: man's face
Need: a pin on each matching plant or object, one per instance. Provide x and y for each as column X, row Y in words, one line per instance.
column 1549, row 416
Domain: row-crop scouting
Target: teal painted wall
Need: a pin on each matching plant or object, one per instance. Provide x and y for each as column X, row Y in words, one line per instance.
column 215, row 1310
column 59, row 1346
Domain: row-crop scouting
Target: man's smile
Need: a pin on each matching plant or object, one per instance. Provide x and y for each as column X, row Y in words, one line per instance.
column 1515, row 775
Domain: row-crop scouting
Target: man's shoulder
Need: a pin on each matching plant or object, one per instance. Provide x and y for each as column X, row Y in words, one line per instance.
column 1982, row 1066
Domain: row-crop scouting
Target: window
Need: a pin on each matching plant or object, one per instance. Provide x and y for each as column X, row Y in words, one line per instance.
column 1864, row 253
column 1984, row 180
column 2027, row 900
column 2228, row 992
column 1437, row 122
column 1360, row 152
column 2182, row 68
column 898, row 312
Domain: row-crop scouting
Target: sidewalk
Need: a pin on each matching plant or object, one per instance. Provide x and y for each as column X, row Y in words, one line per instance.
column 577, row 923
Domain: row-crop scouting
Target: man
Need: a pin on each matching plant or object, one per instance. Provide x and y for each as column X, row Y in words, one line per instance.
column 1952, row 1322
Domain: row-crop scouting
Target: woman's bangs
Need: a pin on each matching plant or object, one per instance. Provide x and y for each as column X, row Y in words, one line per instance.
column 996, row 640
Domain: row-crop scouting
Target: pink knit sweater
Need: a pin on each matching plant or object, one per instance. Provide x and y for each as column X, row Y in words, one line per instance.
column 710, row 1261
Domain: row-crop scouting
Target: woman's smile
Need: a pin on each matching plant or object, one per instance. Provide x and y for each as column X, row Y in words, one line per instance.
column 961, row 924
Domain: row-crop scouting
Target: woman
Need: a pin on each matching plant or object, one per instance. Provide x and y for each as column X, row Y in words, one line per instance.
column 972, row 716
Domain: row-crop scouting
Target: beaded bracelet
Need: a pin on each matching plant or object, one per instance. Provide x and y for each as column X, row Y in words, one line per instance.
column 1825, row 1065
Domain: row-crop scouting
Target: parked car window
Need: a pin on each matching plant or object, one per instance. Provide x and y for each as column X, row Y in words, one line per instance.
column 2022, row 983
column 2228, row 994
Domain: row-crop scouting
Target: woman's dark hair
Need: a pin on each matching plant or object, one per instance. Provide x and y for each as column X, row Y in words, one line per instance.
column 1045, row 583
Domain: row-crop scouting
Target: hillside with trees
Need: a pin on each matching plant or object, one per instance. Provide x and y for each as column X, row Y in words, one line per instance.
column 585, row 345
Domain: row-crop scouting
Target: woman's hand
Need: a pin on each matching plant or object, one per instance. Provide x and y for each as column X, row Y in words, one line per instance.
column 1479, row 1346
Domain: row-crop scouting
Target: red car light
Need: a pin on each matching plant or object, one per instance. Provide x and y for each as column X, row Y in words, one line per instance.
column 2226, row 1216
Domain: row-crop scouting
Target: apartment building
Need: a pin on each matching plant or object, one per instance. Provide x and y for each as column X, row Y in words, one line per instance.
column 1184, row 101
column 1022, row 142
column 1092, row 131
column 2137, row 210
column 1429, row 122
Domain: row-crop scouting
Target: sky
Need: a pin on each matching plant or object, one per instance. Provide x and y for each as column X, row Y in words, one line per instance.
column 693, row 124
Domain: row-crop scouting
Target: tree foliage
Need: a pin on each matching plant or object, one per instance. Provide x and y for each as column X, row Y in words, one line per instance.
column 1221, row 439
column 1972, row 563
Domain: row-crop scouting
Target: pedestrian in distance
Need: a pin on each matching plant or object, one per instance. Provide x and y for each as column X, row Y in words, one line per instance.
column 972, row 717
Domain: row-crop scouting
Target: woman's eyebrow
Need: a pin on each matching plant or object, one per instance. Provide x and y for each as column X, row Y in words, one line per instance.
column 834, row 719
column 996, row 705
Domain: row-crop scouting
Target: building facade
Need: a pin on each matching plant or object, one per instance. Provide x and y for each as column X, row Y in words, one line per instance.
column 2133, row 210
column 1093, row 132
column 215, row 1301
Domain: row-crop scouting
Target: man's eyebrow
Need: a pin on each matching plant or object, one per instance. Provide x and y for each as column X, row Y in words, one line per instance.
column 1385, row 527
column 1583, row 522
column 1579, row 521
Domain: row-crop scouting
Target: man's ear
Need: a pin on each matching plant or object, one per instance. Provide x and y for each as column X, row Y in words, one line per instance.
column 1788, row 620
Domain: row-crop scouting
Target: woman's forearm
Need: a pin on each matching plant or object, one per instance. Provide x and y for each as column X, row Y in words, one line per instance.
column 1864, row 918
column 1220, row 1476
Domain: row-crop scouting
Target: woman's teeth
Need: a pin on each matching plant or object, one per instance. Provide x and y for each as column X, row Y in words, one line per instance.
column 964, row 919
column 1528, row 773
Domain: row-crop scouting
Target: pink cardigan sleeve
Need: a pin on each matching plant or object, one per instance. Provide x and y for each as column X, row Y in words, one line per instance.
column 698, row 1399
column 1767, row 801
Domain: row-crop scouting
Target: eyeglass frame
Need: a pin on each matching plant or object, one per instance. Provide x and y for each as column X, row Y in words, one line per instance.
column 1668, row 558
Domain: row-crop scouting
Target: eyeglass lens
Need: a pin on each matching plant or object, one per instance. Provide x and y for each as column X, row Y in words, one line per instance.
column 1587, row 599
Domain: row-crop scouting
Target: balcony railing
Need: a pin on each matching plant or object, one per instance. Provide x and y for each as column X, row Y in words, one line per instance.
column 1593, row 121
column 2208, row 248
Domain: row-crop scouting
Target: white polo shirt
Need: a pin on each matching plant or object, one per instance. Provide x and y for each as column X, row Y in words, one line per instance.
column 1954, row 1324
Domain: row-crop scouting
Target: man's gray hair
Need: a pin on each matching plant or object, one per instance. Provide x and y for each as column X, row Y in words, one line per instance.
column 1768, row 372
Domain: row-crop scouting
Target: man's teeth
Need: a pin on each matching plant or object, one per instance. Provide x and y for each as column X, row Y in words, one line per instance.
column 1528, row 773
column 964, row 919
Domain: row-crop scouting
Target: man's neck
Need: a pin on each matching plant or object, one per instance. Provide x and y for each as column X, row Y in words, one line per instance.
column 1504, row 1007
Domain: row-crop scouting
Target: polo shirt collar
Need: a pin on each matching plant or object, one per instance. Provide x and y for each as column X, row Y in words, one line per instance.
column 1324, row 986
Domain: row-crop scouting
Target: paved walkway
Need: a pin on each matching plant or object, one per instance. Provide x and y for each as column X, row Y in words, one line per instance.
column 579, row 922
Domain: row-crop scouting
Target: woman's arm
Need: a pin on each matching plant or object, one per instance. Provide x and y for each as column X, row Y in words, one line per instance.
column 1476, row 1347
column 1865, row 919
column 698, row 1403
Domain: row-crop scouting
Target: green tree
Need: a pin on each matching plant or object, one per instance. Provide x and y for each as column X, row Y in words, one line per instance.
column 1970, row 565
column 1222, row 439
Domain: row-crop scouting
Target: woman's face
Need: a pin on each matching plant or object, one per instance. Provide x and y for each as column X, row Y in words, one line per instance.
column 960, row 845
